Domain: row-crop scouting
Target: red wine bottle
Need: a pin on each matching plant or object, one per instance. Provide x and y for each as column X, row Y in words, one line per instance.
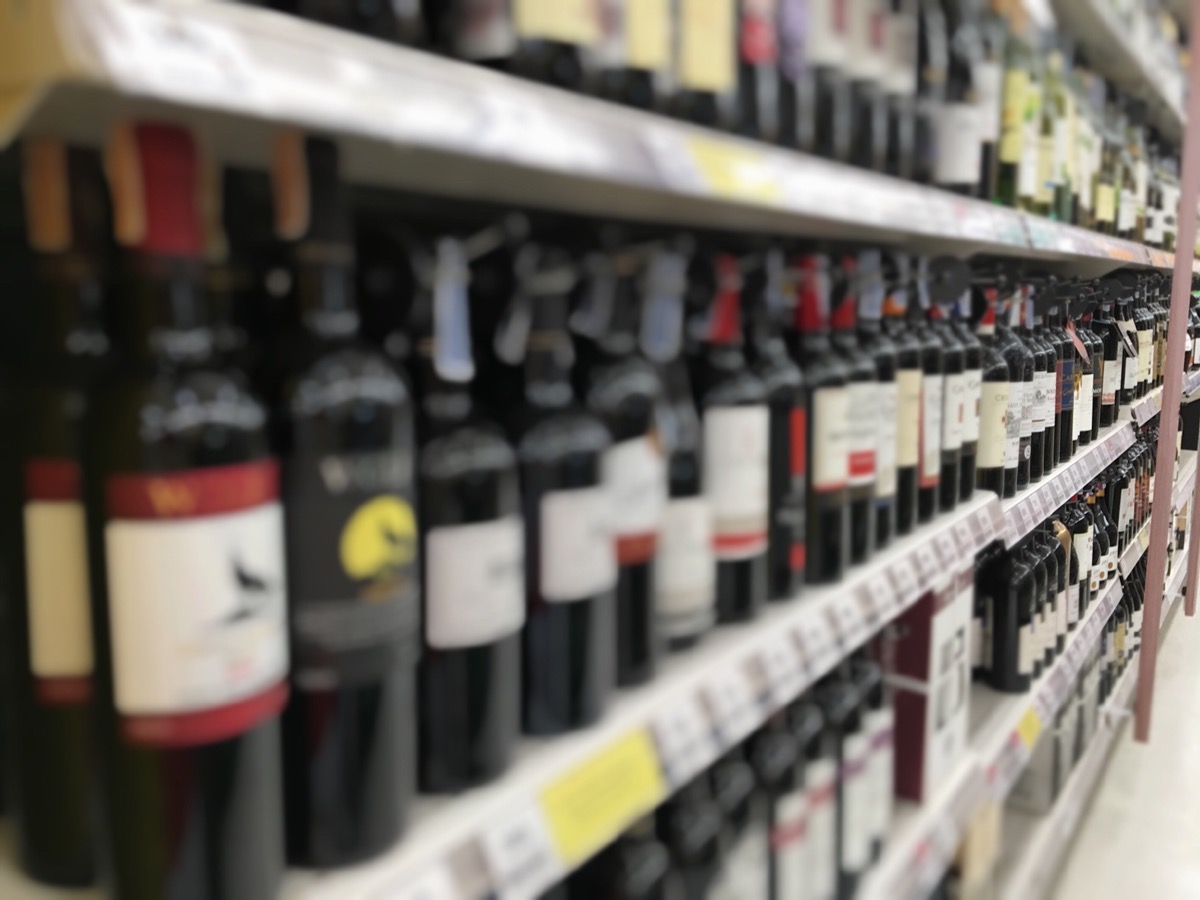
column 186, row 553
column 954, row 361
column 342, row 425
column 570, row 555
column 827, row 50
column 1064, row 405
column 1020, row 369
column 883, row 350
column 909, row 378
column 735, row 416
column 972, row 388
column 1043, row 370
column 1106, row 329
column 996, row 434
column 691, row 825
column 826, row 377
column 1012, row 631
column 50, row 623
column 1096, row 350
column 933, row 389
column 900, row 87
column 472, row 538
column 622, row 388
column 865, row 68
column 1052, row 393
column 862, row 412
column 755, row 111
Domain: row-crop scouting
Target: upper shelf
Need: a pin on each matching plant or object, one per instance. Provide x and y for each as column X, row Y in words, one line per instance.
column 412, row 120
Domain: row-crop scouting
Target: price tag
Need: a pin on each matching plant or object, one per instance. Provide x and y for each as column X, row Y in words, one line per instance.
column 928, row 572
column 820, row 645
column 686, row 744
column 948, row 551
column 883, row 595
column 733, row 705
column 1029, row 728
column 981, row 527
column 520, row 854
column 905, row 580
column 735, row 170
column 432, row 884
column 1027, row 520
column 782, row 668
column 847, row 620
column 1008, row 766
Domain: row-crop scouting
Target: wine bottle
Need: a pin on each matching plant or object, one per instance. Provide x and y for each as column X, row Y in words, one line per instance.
column 878, row 723
column 569, row 664
column 49, row 638
column 1106, row 328
column 755, row 103
column 705, row 59
column 954, row 360
column 629, row 62
column 735, row 417
column 883, row 350
column 347, row 466
column 900, row 86
column 1020, row 402
column 1054, row 534
column 1011, row 150
column 933, row 389
column 972, row 396
column 909, row 388
column 745, row 836
column 825, row 376
column 827, row 49
column 933, row 58
column 472, row 538
column 636, row 866
column 186, row 558
column 1012, row 633
column 819, row 746
column 865, row 63
column 1037, row 634
column 839, row 700
column 862, row 413
column 1064, row 403
column 987, row 75
column 1077, row 522
column 621, row 388
column 958, row 128
column 1043, row 371
column 1052, row 390
column 995, row 428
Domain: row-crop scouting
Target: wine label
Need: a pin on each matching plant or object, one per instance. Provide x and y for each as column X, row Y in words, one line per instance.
column 957, row 131
column 932, row 389
column 1012, row 423
column 569, row 21
column 1025, row 653
column 1112, row 381
column 971, row 404
column 635, row 475
column 1043, row 417
column 830, row 433
column 880, row 725
column 1074, row 602
column 1012, row 134
column 474, row 583
column 196, row 595
column 789, row 832
column 745, row 866
column 993, row 425
column 56, row 582
column 828, row 41
column 863, row 435
column 886, row 402
column 908, row 417
column 1106, row 203
column 952, row 412
column 758, row 41
column 900, row 39
column 1145, row 354
column 1126, row 210
column 1067, row 385
column 1060, row 609
column 736, row 449
column 482, row 29
column 685, row 571
column 1029, row 402
column 1083, row 412
column 706, row 58
column 1047, row 179
column 608, row 50
column 820, row 781
column 857, row 817
column 866, row 38
column 792, row 508
column 648, row 34
column 578, row 557
column 988, row 79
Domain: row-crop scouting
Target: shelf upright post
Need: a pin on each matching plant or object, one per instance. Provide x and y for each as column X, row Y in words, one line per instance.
column 1181, row 292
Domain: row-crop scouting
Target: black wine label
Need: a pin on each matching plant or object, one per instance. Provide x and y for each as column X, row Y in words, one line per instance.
column 352, row 549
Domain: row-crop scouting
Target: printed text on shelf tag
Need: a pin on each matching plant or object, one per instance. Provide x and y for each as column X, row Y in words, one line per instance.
column 731, row 701
column 521, row 855
column 685, row 739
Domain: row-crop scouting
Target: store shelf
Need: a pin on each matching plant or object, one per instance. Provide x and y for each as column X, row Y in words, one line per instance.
column 1120, row 49
column 1031, row 507
column 410, row 120
column 1146, row 408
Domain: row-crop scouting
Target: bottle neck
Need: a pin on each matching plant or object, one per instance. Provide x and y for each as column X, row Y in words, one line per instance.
column 325, row 302
column 547, row 369
column 163, row 312
column 69, row 311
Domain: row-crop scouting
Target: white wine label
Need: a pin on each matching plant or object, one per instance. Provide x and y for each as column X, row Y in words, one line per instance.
column 863, row 436
column 908, row 417
column 1112, row 381
column 880, row 725
column 957, row 131
column 900, row 74
column 648, row 34
column 736, row 442
column 474, row 583
column 706, row 45
column 579, row 559
column 988, row 78
column 56, row 574
column 197, row 602
column 1083, row 411
column 789, row 833
column 857, row 816
column 885, row 453
column 685, row 571
column 830, row 426
column 993, row 425
column 828, row 33
column 932, row 389
column 1012, row 423
column 820, row 784
column 635, row 475
column 972, row 385
column 1043, row 409
column 952, row 412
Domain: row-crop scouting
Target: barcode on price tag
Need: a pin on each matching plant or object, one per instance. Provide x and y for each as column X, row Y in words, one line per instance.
column 432, row 884
column 734, row 708
column 820, row 645
column 905, row 580
column 926, row 565
column 875, row 609
column 520, row 854
column 947, row 549
column 782, row 669
column 686, row 743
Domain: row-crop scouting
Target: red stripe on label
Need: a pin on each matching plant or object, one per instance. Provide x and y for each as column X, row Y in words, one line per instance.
column 633, row 549
column 799, row 441
column 739, row 542
column 862, row 463
column 198, row 492
column 204, row 726
column 788, row 833
column 52, row 479
column 63, row 691
column 798, row 557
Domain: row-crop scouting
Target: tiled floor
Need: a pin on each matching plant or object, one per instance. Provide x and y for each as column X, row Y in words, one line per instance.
column 1141, row 836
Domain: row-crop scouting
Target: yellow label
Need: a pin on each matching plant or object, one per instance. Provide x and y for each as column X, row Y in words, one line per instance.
column 569, row 21
column 648, row 34
column 1029, row 728
column 734, row 171
column 591, row 805
column 1016, row 85
column 706, row 60
column 1106, row 203
column 1044, row 192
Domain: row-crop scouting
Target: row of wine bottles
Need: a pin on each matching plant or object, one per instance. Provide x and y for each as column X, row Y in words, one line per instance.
column 1030, row 597
column 470, row 512
column 970, row 96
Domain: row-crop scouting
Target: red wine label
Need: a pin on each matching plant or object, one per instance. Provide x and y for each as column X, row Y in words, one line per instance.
column 789, row 831
column 736, row 447
column 352, row 566
column 820, row 780
column 196, row 593
column 864, row 436
column 474, row 583
column 757, row 42
column 908, row 417
column 685, row 571
column 483, row 29
column 635, row 476
column 830, row 439
column 932, row 391
column 578, row 556
column 885, row 453
column 993, row 424
column 56, row 574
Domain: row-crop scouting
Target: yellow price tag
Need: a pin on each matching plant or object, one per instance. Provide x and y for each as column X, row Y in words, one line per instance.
column 739, row 173
column 1029, row 728
column 589, row 806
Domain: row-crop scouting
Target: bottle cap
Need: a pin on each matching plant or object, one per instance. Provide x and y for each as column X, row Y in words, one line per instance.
column 65, row 203
column 152, row 174
column 310, row 199
column 725, row 324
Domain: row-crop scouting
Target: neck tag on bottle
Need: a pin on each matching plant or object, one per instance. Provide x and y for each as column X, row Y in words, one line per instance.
column 663, row 284
column 812, row 277
column 452, row 358
column 513, row 330
column 725, row 323
column 923, row 282
column 592, row 317
column 1080, row 347
column 870, row 285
